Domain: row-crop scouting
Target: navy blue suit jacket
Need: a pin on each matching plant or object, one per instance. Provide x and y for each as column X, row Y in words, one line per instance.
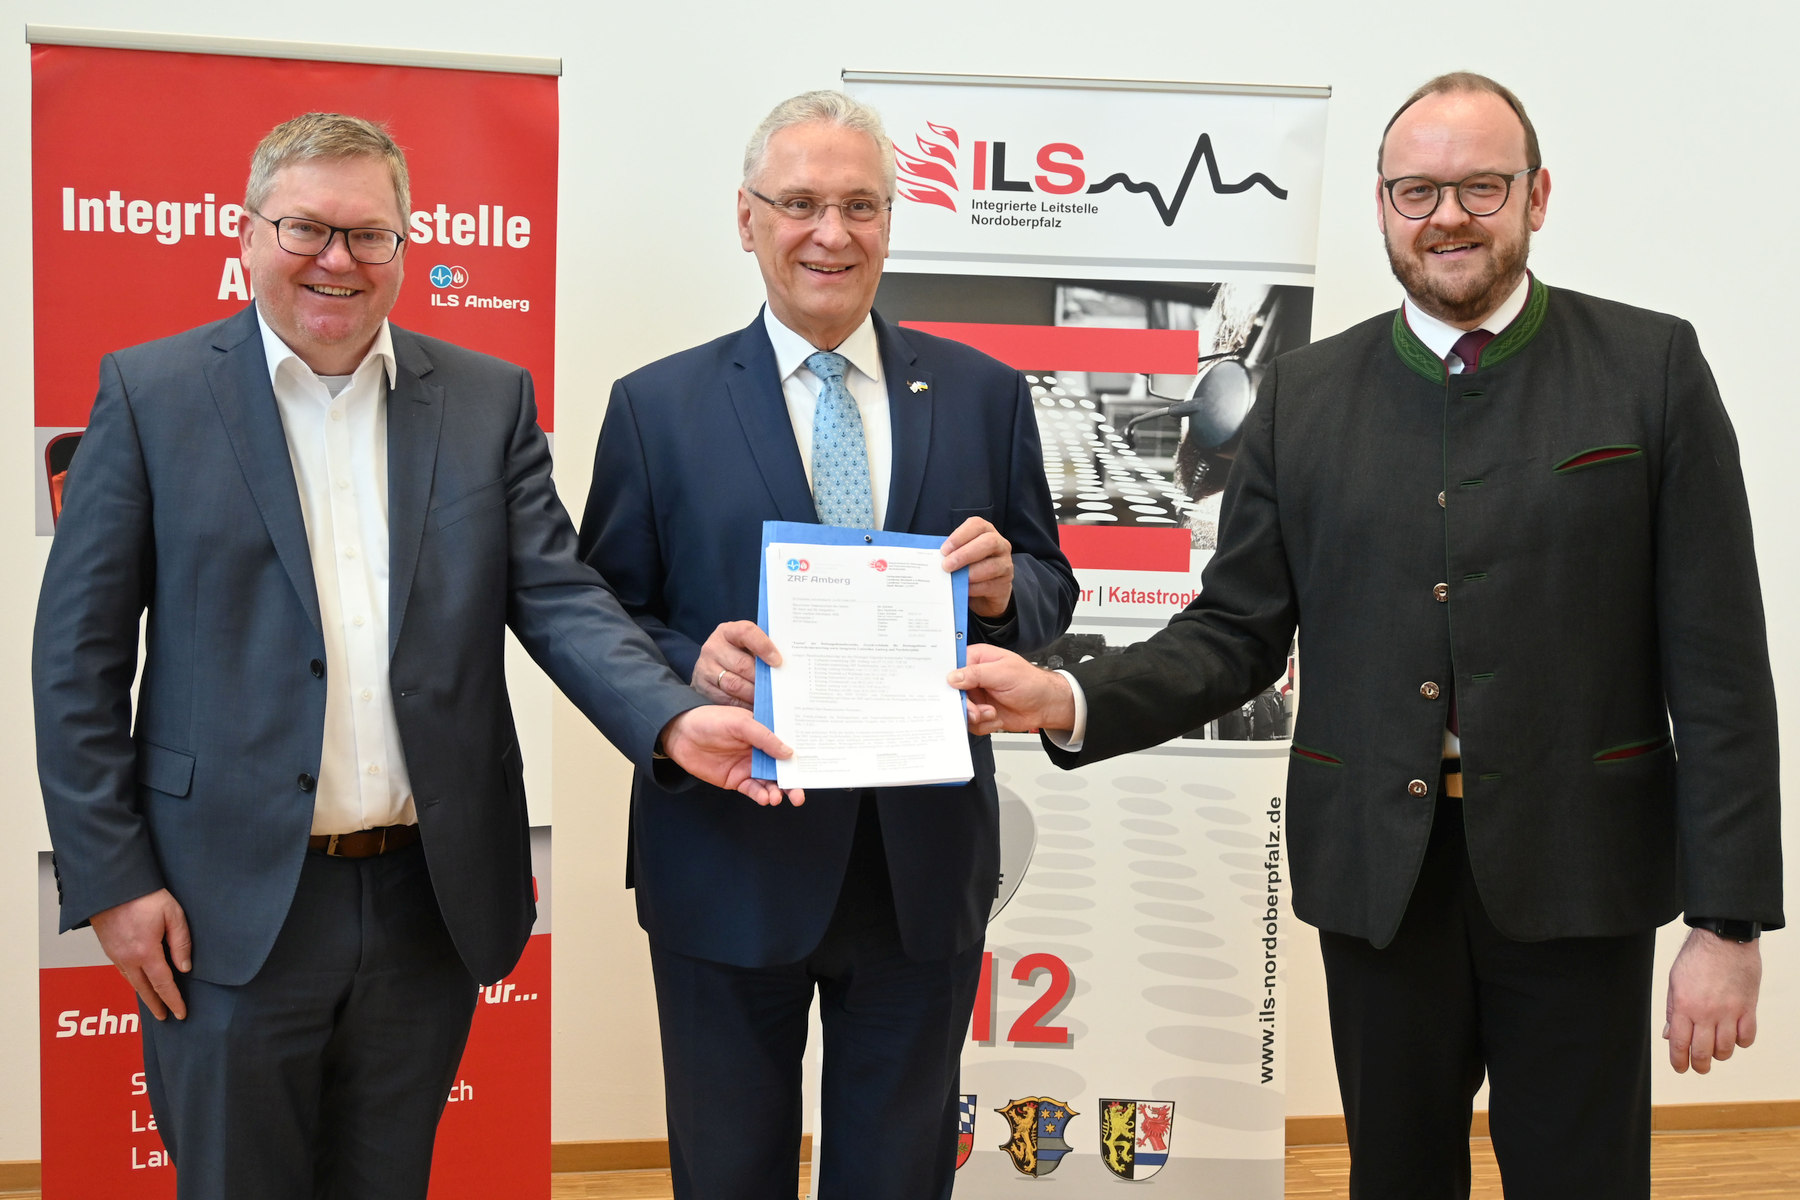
column 181, row 502
column 697, row 450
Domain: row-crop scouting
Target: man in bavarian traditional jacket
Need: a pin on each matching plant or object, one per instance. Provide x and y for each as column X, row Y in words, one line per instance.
column 1509, row 523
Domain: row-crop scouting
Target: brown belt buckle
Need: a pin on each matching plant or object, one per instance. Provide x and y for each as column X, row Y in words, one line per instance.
column 1452, row 779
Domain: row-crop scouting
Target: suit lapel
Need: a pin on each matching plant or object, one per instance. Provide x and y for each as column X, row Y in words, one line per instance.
column 910, row 405
column 756, row 395
column 239, row 380
column 415, row 417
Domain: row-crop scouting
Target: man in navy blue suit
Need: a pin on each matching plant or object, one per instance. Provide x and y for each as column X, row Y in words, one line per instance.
column 877, row 898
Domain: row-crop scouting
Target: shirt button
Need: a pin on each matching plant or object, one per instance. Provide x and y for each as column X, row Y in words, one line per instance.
column 336, row 415
column 351, row 553
column 367, row 694
column 1440, row 498
column 1429, row 690
column 1419, row 787
column 317, row 668
column 357, row 621
column 305, row 782
column 1441, row 591
column 344, row 486
column 374, row 770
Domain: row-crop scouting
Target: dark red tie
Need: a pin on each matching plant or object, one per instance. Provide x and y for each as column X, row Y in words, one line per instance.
column 1469, row 347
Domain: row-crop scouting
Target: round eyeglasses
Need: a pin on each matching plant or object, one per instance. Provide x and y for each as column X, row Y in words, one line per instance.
column 1481, row 195
column 303, row 235
column 860, row 210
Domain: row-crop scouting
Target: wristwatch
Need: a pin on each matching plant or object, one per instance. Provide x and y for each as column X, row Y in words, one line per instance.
column 1742, row 932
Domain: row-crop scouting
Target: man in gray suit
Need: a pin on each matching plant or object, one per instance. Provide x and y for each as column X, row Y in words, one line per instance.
column 1509, row 523
column 312, row 846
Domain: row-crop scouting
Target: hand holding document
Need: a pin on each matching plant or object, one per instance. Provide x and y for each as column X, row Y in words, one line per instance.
column 1005, row 692
column 868, row 631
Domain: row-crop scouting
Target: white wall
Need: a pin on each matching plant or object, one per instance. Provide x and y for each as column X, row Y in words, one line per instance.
column 1669, row 131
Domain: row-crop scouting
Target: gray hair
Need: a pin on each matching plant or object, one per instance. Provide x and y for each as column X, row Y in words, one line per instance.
column 834, row 108
column 316, row 135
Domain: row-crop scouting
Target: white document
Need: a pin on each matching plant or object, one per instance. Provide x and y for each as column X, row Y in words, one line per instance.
column 867, row 635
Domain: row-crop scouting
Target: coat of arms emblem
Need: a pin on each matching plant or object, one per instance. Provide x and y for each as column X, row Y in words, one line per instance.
column 965, row 1129
column 1135, row 1136
column 1039, row 1139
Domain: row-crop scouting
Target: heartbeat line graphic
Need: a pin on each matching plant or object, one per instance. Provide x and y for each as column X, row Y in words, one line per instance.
column 1202, row 149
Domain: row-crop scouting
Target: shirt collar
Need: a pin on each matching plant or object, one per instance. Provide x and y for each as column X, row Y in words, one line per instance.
column 861, row 348
column 277, row 353
column 1439, row 337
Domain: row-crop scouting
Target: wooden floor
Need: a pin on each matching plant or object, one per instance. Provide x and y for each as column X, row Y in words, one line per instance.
column 1728, row 1165
column 1725, row 1165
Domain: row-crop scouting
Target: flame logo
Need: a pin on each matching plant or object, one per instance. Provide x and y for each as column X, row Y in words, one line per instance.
column 880, row 564
column 924, row 176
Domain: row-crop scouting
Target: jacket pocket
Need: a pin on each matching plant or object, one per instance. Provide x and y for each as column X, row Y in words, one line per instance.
column 164, row 770
column 1596, row 456
column 1627, row 751
column 1311, row 755
column 486, row 496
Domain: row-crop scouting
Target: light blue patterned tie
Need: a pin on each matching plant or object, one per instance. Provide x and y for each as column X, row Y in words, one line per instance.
column 840, row 461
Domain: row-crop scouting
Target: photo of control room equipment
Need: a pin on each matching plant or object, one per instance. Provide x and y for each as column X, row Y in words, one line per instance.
column 1124, row 447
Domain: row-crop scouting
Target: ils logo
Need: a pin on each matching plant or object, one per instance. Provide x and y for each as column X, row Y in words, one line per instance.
column 449, row 277
column 931, row 175
column 965, row 1129
column 880, row 564
column 1135, row 1135
column 1038, row 1142
column 798, row 564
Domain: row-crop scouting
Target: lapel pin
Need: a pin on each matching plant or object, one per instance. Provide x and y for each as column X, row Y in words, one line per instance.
column 918, row 385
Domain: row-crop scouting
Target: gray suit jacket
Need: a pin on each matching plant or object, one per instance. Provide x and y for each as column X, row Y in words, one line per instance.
column 1563, row 540
column 181, row 502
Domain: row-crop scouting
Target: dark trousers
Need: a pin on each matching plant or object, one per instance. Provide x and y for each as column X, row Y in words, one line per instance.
column 1561, row 1029
column 732, row 1040
column 323, row 1077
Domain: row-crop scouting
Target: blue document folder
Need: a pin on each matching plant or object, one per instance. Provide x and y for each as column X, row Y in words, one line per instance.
column 762, row 766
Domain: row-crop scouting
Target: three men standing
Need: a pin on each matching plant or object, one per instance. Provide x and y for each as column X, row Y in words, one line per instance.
column 1507, row 519
column 878, row 899
column 1509, row 523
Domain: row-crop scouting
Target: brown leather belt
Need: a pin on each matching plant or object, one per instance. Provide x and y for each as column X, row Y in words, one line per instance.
column 364, row 843
column 1452, row 776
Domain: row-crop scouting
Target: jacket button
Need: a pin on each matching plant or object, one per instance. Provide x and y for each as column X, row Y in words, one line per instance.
column 318, row 669
column 1441, row 591
column 305, row 782
column 1429, row 690
column 1418, row 787
column 1440, row 499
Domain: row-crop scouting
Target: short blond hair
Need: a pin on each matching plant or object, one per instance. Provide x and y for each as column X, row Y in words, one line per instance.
column 317, row 135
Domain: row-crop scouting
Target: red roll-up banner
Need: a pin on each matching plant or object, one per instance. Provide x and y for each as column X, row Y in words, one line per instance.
column 138, row 165
column 139, row 159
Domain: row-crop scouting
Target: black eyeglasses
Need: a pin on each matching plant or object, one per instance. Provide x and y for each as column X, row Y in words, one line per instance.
column 1481, row 195
column 303, row 235
column 861, row 209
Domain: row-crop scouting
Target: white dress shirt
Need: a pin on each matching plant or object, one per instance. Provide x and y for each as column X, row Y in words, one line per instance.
column 337, row 441
column 800, row 387
column 1439, row 337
